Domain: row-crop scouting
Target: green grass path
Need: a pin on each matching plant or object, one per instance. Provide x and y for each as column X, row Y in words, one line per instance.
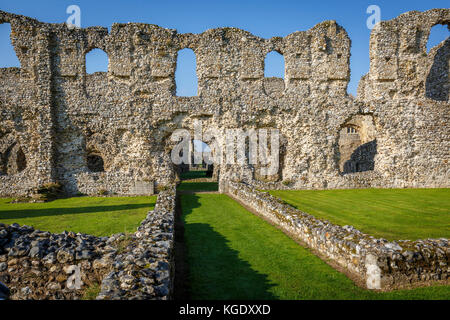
column 393, row 214
column 198, row 186
column 189, row 182
column 99, row 216
column 233, row 254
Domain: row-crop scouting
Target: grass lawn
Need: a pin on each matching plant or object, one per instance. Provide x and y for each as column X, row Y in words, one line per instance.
column 233, row 254
column 100, row 216
column 189, row 175
column 189, row 182
column 198, row 186
column 393, row 214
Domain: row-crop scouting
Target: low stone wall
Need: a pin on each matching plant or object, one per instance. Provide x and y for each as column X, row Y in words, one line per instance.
column 17, row 185
column 145, row 268
column 41, row 265
column 373, row 263
column 112, row 183
column 38, row 265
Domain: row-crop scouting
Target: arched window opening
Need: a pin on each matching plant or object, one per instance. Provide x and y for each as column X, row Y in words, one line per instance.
column 12, row 160
column 438, row 34
column 274, row 65
column 96, row 61
column 200, row 146
column 185, row 74
column 437, row 83
column 21, row 160
column 8, row 56
column 95, row 163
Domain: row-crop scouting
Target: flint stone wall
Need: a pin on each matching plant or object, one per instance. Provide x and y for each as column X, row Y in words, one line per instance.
column 114, row 183
column 59, row 116
column 37, row 265
column 145, row 268
column 374, row 263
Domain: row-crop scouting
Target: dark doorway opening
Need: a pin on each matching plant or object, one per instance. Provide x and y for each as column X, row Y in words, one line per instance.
column 199, row 174
column 95, row 163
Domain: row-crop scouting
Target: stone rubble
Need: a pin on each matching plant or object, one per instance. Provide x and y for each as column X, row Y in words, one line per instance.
column 145, row 269
column 36, row 264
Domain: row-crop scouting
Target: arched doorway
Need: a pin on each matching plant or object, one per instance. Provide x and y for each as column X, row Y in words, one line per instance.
column 357, row 145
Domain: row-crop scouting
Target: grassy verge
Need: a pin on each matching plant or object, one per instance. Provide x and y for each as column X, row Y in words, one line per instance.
column 189, row 175
column 393, row 214
column 233, row 254
column 98, row 216
column 197, row 181
column 198, row 186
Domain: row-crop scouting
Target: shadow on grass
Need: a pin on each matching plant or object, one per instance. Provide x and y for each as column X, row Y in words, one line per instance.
column 198, row 186
column 30, row 213
column 193, row 175
column 216, row 272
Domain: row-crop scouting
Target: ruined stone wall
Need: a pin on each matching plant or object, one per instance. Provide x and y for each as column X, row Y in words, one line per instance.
column 59, row 116
column 145, row 268
column 406, row 91
column 41, row 265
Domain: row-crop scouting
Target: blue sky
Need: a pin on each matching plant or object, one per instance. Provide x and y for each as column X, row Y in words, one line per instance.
column 262, row 18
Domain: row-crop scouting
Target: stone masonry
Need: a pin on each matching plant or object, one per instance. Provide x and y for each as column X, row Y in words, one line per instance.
column 41, row 265
column 111, row 131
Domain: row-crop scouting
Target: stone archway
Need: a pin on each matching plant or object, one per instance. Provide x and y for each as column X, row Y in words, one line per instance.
column 196, row 155
column 357, row 145
column 12, row 156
